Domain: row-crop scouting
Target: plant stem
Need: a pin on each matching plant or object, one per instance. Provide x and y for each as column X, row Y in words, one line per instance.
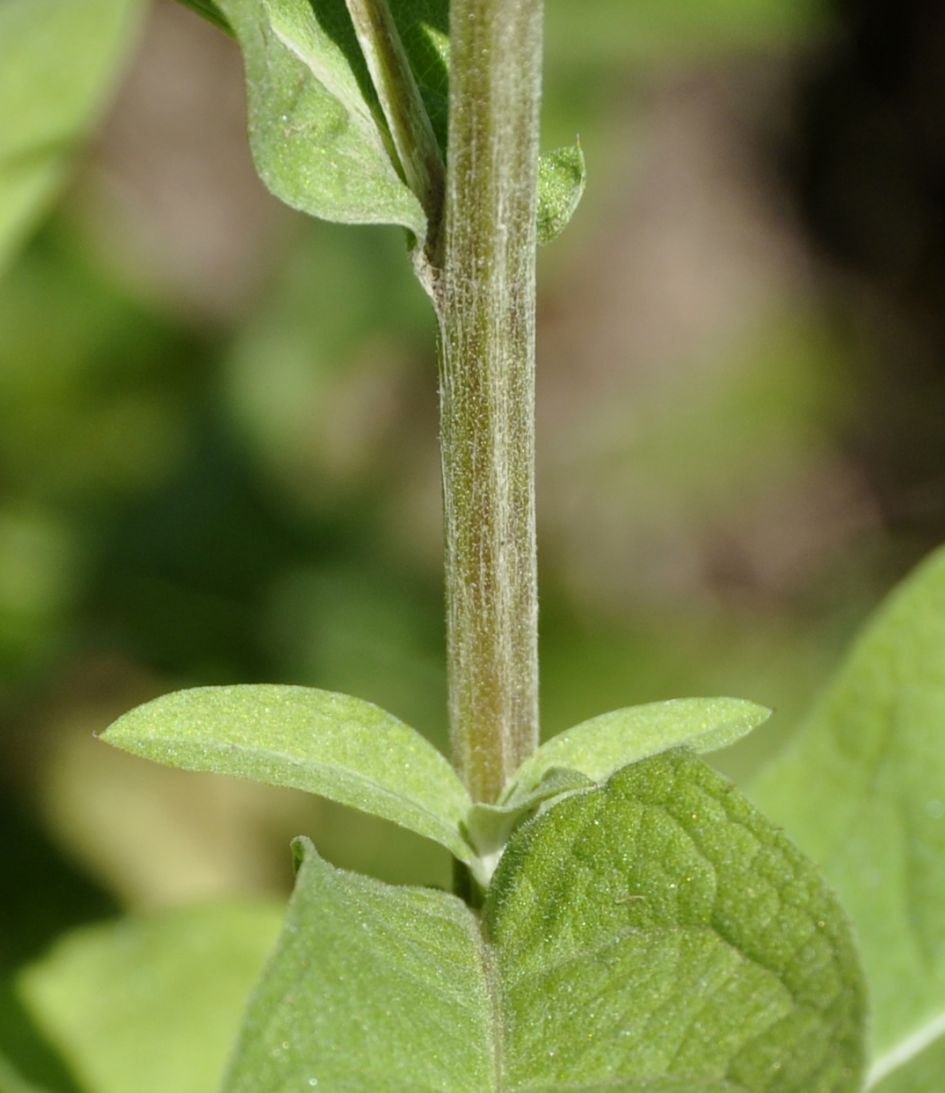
column 403, row 107
column 485, row 300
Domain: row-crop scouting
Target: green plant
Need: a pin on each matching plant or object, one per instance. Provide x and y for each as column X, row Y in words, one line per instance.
column 623, row 917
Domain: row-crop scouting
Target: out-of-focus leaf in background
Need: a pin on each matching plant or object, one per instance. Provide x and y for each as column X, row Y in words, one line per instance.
column 59, row 60
column 182, row 975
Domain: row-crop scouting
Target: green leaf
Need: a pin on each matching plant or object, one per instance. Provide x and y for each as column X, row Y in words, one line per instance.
column 602, row 745
column 151, row 1003
column 653, row 933
column 370, row 987
column 317, row 137
column 11, row 1082
column 862, row 788
column 921, row 1069
column 316, row 128
column 593, row 750
column 330, row 744
column 210, row 12
column 59, row 60
column 562, row 175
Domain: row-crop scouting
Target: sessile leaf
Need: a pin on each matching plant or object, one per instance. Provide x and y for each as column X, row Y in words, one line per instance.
column 591, row 751
column 653, row 933
column 330, row 744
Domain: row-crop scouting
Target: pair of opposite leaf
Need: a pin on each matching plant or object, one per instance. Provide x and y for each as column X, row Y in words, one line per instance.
column 642, row 927
column 317, row 122
column 357, row 754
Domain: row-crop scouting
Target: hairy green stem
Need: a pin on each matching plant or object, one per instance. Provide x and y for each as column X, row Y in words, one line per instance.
column 404, row 111
column 485, row 300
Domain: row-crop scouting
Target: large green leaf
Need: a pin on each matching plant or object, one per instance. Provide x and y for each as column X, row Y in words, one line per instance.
column 920, row 1069
column 370, row 987
column 862, row 788
column 653, row 933
column 330, row 744
column 58, row 61
column 151, row 1003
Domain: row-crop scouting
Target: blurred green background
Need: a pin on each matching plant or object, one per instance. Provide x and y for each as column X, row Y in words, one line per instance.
column 218, row 451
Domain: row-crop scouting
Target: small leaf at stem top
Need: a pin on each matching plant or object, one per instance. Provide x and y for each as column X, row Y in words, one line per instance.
column 562, row 176
column 330, row 744
column 317, row 135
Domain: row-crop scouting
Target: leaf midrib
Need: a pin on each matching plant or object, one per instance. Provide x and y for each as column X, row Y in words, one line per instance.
column 907, row 1049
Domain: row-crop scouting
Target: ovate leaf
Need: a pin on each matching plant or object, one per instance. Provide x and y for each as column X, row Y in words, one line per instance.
column 661, row 933
column 151, row 1003
column 317, row 137
column 330, row 744
column 862, row 788
column 59, row 59
column 653, row 933
column 562, row 176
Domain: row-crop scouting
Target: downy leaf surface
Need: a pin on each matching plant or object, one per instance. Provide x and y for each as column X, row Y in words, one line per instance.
column 653, row 933
column 562, row 176
column 591, row 751
column 59, row 59
column 325, row 743
column 151, row 1003
column 862, row 788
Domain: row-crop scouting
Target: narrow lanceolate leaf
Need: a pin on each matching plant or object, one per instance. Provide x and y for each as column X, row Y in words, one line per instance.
column 59, row 60
column 653, row 933
column 150, row 1003
column 862, row 788
column 319, row 141
column 562, row 176
column 330, row 744
column 593, row 750
column 602, row 745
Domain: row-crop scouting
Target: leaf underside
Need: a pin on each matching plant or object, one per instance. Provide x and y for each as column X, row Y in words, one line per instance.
column 317, row 130
column 653, row 933
column 862, row 788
